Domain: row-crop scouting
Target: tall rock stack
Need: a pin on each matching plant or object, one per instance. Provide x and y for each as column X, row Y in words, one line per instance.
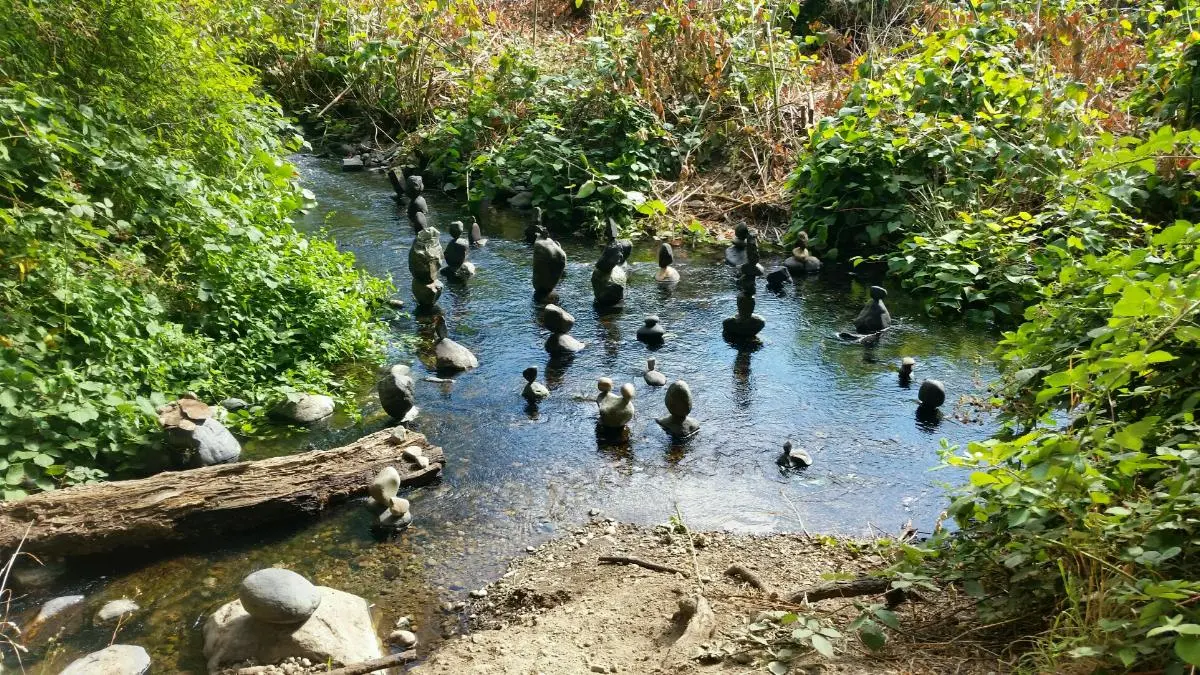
column 424, row 260
column 418, row 210
column 745, row 325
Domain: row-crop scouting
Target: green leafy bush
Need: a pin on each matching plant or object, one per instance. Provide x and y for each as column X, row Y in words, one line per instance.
column 1089, row 511
column 137, row 261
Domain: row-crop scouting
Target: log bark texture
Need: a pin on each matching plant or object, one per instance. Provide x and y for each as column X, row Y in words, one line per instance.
column 179, row 506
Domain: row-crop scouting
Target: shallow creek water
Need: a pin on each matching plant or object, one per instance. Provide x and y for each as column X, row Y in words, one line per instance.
column 516, row 476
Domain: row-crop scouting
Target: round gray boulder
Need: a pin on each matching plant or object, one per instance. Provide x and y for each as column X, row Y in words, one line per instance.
column 279, row 596
column 112, row 660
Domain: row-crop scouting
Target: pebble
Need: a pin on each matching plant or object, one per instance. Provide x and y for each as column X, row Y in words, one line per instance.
column 479, row 593
column 594, row 512
column 530, row 549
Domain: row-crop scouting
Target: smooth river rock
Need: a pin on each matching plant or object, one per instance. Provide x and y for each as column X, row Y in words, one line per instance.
column 112, row 660
column 306, row 409
column 339, row 631
column 875, row 316
column 396, row 392
column 279, row 596
column 114, row 610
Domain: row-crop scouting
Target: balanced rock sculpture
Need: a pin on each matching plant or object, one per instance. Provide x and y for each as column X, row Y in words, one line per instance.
column 666, row 274
column 777, row 277
column 535, row 229
column 678, row 422
column 794, row 457
column 196, row 435
column 608, row 278
column 549, row 265
column 802, row 262
column 451, row 356
column 874, row 317
column 424, row 260
column 534, row 391
column 653, row 377
column 907, row 364
column 397, row 394
column 651, row 332
column 932, row 395
column 560, row 322
column 395, row 517
column 615, row 410
column 745, row 325
column 278, row 596
column 475, row 237
column 457, row 266
column 384, row 488
column 735, row 254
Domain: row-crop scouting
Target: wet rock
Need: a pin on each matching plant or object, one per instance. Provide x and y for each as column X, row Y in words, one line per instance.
column 58, row 617
column 397, row 394
column 653, row 377
column 802, row 262
column 615, row 410
column 396, row 517
column 534, row 391
column 426, row 295
column 56, row 607
column 112, row 660
column 395, row 177
column 340, row 631
column 193, row 431
column 414, row 185
column 419, row 222
column 932, row 394
column 233, row 403
column 777, row 277
column 114, row 610
column 735, row 254
column 609, row 279
column 425, row 256
column 395, row 303
column 745, row 325
column 451, row 356
column 549, row 265
column 907, row 364
column 352, row 163
column 305, row 409
column 561, row 343
column 475, row 237
column 521, row 200
column 403, row 638
column 385, row 487
column 417, row 205
column 278, row 596
column 794, row 456
column 456, row 252
column 874, row 317
column 652, row 331
column 557, row 320
column 666, row 258
column 678, row 423
column 535, row 229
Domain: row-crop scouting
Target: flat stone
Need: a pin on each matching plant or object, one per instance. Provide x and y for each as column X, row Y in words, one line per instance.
column 56, row 607
column 114, row 610
column 112, row 660
column 340, row 631
column 233, row 403
column 279, row 596
column 562, row 343
column 352, row 163
column 453, row 357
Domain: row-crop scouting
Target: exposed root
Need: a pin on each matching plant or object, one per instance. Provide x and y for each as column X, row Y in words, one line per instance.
column 626, row 560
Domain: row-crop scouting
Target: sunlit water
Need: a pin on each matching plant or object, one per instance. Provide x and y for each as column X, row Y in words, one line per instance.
column 515, row 476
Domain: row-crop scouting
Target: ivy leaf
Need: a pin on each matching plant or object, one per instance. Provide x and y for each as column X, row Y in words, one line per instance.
column 872, row 635
column 83, row 415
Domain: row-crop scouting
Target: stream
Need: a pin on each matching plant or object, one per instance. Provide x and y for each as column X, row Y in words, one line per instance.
column 516, row 476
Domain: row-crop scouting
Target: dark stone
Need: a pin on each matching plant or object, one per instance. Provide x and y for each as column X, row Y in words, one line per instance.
column 666, row 255
column 652, row 332
column 932, row 394
column 425, row 256
column 679, row 406
column 535, row 230
column 420, row 222
column 746, row 324
column 534, row 391
column 414, row 185
column 352, row 163
column 396, row 392
column 874, row 317
column 608, row 278
column 777, row 277
column 416, row 206
column 549, row 265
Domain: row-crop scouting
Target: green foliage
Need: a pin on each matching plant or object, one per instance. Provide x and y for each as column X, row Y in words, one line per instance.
column 1090, row 508
column 136, row 265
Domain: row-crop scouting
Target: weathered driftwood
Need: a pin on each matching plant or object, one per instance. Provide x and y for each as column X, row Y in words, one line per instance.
column 626, row 560
column 187, row 505
column 695, row 623
column 841, row 589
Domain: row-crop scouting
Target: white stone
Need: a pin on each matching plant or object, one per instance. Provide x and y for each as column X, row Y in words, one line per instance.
column 115, row 609
column 112, row 660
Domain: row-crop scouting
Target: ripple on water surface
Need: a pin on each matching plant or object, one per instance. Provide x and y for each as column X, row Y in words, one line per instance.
column 514, row 475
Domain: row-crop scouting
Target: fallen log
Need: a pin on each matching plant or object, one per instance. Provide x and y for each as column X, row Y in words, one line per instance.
column 179, row 506
column 626, row 560
column 841, row 589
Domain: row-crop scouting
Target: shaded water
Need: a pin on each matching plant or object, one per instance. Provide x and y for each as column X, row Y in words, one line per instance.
column 515, row 475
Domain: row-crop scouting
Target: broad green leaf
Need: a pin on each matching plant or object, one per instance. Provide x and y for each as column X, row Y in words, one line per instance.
column 1187, row 647
column 586, row 189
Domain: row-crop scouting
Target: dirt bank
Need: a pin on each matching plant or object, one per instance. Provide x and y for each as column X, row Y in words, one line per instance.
column 561, row 611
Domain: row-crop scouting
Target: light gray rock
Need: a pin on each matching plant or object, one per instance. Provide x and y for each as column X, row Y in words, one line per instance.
column 233, row 403
column 114, row 610
column 279, row 596
column 534, row 391
column 339, row 631
column 112, row 660
column 214, row 444
column 56, row 607
column 653, row 377
column 562, row 343
column 403, row 638
column 615, row 411
column 557, row 320
column 385, row 487
column 679, row 404
column 306, row 409
column 58, row 618
column 396, row 392
column 352, row 163
column 451, row 356
column 425, row 256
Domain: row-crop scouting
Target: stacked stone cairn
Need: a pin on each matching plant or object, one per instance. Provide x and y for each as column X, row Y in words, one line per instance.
column 392, row 512
column 746, row 325
column 451, row 356
column 874, row 317
column 678, row 423
column 549, row 265
column 559, row 322
column 457, row 266
column 418, row 210
column 652, row 332
column 397, row 393
column 735, row 255
column 907, row 364
column 535, row 229
column 475, row 237
column 653, row 377
column 615, row 410
column 608, row 277
column 196, row 435
column 802, row 262
column 424, row 260
column 666, row 274
column 534, row 391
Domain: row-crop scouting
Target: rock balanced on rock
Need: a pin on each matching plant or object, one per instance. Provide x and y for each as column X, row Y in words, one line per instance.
column 802, row 262
column 652, row 332
column 559, row 322
column 746, row 325
column 653, row 377
column 424, row 260
column 794, row 457
column 608, row 277
column 678, row 422
column 549, row 266
column 418, row 210
column 874, row 317
column 931, row 395
column 907, row 364
column 535, row 229
column 393, row 512
column 196, row 435
column 534, row 391
column 615, row 411
column 735, row 254
column 666, row 274
column 475, row 236
column 278, row 596
column 457, row 266
column 451, row 356
column 397, row 393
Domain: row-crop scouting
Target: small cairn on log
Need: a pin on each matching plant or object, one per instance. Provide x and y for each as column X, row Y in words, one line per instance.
column 193, row 431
